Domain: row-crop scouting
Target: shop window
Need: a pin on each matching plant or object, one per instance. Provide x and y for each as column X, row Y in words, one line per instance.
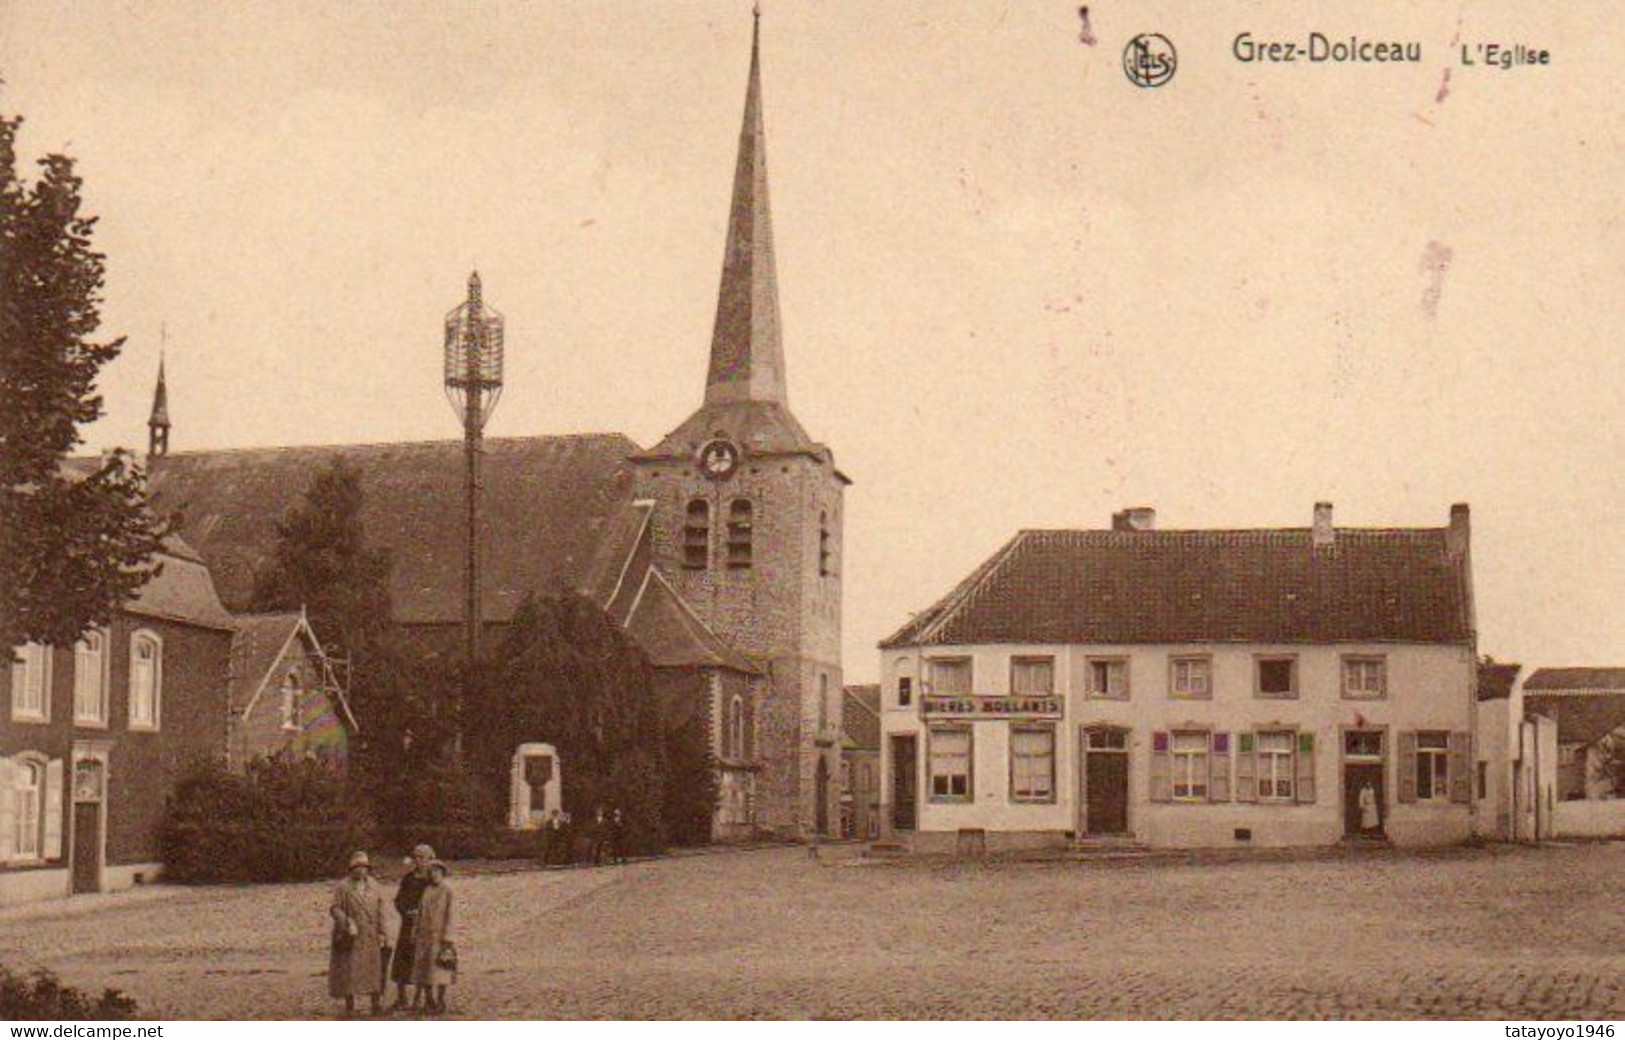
column 1365, row 678
column 1191, row 677
column 31, row 683
column 1032, row 763
column 950, row 764
column 1190, row 766
column 1276, row 767
column 697, row 535
column 1108, row 677
column 739, row 534
column 1032, row 676
column 1277, row 676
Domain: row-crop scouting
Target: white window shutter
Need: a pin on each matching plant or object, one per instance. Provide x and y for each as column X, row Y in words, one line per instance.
column 53, row 810
column 1218, row 789
column 1305, row 763
column 1461, row 767
column 8, row 809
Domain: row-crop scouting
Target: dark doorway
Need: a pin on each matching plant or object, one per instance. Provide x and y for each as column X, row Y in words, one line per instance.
column 821, row 792
column 904, row 782
column 1356, row 820
column 87, row 847
column 1106, row 792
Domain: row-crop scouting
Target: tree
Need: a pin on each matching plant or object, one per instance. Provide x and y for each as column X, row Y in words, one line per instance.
column 73, row 547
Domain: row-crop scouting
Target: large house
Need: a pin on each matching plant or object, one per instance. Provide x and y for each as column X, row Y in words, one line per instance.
column 719, row 549
column 96, row 734
column 1190, row 688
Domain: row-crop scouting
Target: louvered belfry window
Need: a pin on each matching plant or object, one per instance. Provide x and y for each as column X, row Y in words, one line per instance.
column 739, row 534
column 697, row 535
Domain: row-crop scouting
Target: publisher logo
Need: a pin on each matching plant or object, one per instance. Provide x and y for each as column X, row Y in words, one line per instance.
column 1149, row 60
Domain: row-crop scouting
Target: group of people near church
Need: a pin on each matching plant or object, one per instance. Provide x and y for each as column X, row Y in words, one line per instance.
column 423, row 958
column 604, row 838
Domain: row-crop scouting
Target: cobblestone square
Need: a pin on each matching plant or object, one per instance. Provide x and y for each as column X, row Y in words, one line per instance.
column 1500, row 933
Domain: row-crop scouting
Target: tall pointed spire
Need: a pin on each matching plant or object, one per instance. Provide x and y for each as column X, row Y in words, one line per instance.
column 747, row 357
column 158, row 422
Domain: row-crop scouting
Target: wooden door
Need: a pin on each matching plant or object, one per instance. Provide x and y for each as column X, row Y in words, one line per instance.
column 1106, row 779
column 821, row 792
column 87, row 847
column 905, row 779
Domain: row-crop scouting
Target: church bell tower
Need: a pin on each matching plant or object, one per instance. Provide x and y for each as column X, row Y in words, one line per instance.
column 748, row 516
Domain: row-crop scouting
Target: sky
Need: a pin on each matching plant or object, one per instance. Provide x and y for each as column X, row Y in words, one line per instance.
column 1017, row 290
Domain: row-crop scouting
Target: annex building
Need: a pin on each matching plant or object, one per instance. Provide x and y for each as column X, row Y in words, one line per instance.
column 1190, row 688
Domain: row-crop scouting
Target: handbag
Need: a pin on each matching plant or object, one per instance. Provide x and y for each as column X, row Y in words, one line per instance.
column 447, row 958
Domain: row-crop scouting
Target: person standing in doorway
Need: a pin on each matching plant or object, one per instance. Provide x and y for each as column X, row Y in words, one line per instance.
column 355, row 965
column 1370, row 816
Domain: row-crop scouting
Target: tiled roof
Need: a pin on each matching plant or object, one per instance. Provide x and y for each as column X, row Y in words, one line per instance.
column 182, row 590
column 1495, row 681
column 860, row 715
column 547, row 506
column 1575, row 679
column 1580, row 720
column 1254, row 586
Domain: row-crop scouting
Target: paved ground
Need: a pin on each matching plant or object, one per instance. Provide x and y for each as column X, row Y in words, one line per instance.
column 1530, row 934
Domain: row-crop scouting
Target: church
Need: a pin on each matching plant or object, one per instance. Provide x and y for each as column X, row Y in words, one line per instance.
column 719, row 549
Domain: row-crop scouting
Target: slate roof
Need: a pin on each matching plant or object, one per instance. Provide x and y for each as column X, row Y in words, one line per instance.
column 1253, row 586
column 1495, row 681
column 182, row 590
column 860, row 716
column 1580, row 720
column 549, row 504
column 1575, row 679
column 260, row 641
column 673, row 636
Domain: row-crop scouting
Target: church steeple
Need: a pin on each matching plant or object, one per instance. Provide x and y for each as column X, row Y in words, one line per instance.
column 747, row 357
column 158, row 422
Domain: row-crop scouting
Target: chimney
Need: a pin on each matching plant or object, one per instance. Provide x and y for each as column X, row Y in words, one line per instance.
column 1458, row 535
column 1325, row 535
column 1135, row 518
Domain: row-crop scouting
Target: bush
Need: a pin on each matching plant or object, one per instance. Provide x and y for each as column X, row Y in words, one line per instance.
column 40, row 996
column 283, row 819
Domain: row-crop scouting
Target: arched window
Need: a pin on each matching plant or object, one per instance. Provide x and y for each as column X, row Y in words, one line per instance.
column 826, row 547
column 90, row 679
column 697, row 535
column 290, row 701
column 146, row 680
column 736, row 727
column 739, row 533
column 29, row 795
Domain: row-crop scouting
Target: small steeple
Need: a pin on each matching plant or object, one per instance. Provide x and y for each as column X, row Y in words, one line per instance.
column 158, row 422
column 747, row 357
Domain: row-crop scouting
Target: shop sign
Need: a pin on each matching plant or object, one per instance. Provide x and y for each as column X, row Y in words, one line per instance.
column 977, row 706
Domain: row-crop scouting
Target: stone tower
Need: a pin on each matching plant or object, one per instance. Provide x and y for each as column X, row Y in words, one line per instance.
column 748, row 516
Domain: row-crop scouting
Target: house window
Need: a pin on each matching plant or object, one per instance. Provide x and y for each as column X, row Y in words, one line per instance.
column 736, row 727
column 1362, row 743
column 1108, row 677
column 1032, row 676
column 1032, row 763
column 1191, row 677
column 31, row 683
column 951, row 676
column 1277, row 676
column 905, row 691
column 1433, row 766
column 697, row 535
column 950, row 758
column 290, row 701
column 90, row 679
column 826, row 547
column 146, row 680
column 1365, row 678
column 1190, row 766
column 739, row 534
column 27, row 799
column 1276, row 767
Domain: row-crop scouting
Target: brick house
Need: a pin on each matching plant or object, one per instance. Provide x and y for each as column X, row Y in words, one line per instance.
column 860, row 762
column 733, row 522
column 1588, row 705
column 97, row 733
column 1191, row 688
column 284, row 696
